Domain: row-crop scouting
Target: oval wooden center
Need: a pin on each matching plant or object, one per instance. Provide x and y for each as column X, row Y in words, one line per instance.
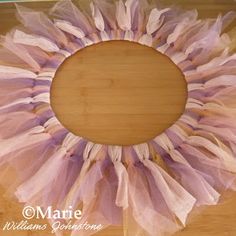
column 118, row 93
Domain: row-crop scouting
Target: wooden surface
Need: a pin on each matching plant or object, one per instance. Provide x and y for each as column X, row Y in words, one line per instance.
column 124, row 93
column 119, row 93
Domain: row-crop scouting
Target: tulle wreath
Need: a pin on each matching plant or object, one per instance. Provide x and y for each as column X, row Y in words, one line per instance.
column 149, row 188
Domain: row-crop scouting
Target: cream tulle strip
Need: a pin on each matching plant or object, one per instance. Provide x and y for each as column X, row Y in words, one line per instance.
column 149, row 188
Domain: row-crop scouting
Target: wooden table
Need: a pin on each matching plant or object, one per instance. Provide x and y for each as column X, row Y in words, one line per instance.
column 124, row 93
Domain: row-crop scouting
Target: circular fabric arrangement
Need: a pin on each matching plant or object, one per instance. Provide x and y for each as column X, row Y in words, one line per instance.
column 150, row 188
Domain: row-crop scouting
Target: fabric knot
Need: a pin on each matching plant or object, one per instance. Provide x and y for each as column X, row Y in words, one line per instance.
column 91, row 151
column 115, row 153
column 164, row 142
column 70, row 141
column 142, row 150
column 43, row 97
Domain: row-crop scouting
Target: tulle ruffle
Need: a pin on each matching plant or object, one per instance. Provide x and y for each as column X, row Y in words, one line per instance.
column 148, row 188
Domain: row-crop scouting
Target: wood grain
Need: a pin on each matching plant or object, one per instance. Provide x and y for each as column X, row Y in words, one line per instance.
column 123, row 93
column 120, row 93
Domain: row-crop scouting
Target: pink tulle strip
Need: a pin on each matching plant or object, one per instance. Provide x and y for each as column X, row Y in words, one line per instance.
column 148, row 188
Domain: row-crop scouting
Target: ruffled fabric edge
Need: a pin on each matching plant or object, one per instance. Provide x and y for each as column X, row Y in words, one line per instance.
column 160, row 181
